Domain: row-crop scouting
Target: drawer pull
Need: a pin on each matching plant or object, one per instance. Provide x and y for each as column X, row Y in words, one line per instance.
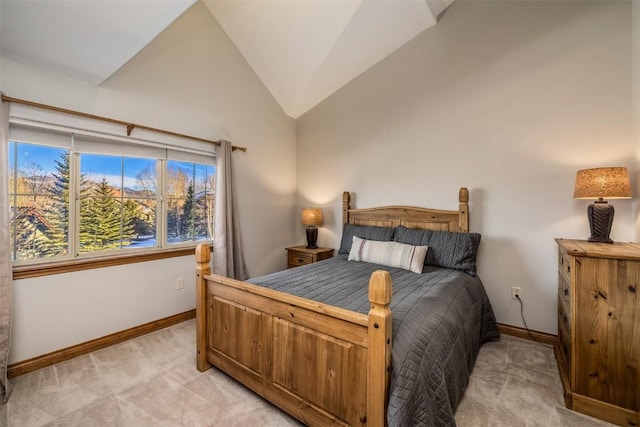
column 300, row 260
column 568, row 269
column 593, row 375
column 566, row 292
column 565, row 320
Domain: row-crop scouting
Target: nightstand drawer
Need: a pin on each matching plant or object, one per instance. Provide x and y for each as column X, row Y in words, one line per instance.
column 296, row 260
column 301, row 255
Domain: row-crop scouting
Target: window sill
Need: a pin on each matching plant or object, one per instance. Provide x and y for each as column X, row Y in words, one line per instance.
column 37, row 270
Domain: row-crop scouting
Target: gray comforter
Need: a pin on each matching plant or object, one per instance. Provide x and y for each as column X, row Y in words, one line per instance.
column 440, row 319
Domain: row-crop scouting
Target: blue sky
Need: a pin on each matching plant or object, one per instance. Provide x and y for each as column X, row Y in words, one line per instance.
column 94, row 167
column 44, row 156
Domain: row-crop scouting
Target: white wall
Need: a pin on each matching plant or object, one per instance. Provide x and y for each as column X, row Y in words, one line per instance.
column 191, row 79
column 506, row 98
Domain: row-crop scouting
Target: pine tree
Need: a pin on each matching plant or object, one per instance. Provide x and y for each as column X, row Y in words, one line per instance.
column 58, row 212
column 102, row 216
column 188, row 220
column 132, row 220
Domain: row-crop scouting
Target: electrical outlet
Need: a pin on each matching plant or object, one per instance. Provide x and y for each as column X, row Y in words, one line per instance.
column 515, row 292
column 179, row 283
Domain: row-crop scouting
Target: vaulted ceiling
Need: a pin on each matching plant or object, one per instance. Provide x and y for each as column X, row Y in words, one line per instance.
column 302, row 50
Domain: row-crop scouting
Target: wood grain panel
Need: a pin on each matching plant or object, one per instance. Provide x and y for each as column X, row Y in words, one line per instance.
column 410, row 216
column 237, row 333
column 623, row 335
column 431, row 225
column 344, row 330
column 374, row 222
column 303, row 410
column 605, row 411
column 322, row 364
column 603, row 367
column 327, row 372
column 591, row 338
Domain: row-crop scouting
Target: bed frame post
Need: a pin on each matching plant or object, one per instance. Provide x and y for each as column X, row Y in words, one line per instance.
column 346, row 205
column 463, row 209
column 203, row 256
column 379, row 348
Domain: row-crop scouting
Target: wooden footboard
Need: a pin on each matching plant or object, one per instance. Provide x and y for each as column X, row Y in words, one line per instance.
column 322, row 364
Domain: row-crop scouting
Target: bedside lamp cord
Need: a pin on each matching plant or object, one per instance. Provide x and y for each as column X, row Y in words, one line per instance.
column 525, row 323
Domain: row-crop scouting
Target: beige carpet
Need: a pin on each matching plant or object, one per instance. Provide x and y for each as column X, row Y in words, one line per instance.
column 152, row 381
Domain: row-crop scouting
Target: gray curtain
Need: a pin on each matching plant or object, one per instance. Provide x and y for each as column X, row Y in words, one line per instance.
column 227, row 250
column 6, row 274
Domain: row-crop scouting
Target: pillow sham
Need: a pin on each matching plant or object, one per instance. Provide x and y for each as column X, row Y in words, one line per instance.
column 369, row 232
column 448, row 249
column 391, row 254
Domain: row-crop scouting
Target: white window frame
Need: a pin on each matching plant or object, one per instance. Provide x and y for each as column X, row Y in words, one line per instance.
column 86, row 129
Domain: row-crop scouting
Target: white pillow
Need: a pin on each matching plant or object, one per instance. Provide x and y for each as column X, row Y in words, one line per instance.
column 391, row 254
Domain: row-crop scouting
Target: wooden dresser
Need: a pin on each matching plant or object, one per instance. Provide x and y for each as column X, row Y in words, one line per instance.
column 300, row 255
column 598, row 347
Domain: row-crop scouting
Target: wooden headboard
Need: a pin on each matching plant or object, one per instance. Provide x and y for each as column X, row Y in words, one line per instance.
column 410, row 216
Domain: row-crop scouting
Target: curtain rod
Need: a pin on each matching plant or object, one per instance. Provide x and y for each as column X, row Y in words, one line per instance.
column 129, row 126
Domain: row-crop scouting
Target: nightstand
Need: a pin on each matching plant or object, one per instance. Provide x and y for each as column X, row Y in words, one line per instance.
column 599, row 329
column 300, row 255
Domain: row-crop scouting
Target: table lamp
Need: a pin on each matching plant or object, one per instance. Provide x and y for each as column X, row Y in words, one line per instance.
column 312, row 217
column 600, row 183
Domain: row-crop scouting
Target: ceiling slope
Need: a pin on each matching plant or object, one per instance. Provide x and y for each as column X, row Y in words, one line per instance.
column 305, row 50
column 82, row 40
column 302, row 50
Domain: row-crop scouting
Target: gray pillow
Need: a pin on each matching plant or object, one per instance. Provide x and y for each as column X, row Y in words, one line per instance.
column 369, row 232
column 447, row 249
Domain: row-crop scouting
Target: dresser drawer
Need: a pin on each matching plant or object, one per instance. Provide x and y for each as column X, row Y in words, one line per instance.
column 598, row 318
column 296, row 260
column 564, row 341
column 564, row 291
column 564, row 316
column 564, row 264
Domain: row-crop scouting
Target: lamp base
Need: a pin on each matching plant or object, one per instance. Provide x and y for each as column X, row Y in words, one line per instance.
column 600, row 216
column 312, row 237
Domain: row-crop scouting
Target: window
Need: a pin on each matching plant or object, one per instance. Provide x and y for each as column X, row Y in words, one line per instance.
column 39, row 201
column 118, row 203
column 81, row 197
column 189, row 201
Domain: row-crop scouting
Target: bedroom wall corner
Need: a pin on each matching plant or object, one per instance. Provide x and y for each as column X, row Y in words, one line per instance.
column 190, row 79
column 507, row 98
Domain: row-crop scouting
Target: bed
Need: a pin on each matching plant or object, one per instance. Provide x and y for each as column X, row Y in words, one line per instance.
column 326, row 343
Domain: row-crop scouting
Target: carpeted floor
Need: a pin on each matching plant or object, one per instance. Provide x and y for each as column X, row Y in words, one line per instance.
column 152, row 381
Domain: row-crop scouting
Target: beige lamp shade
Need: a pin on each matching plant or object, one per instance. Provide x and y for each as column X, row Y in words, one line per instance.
column 609, row 183
column 312, row 216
